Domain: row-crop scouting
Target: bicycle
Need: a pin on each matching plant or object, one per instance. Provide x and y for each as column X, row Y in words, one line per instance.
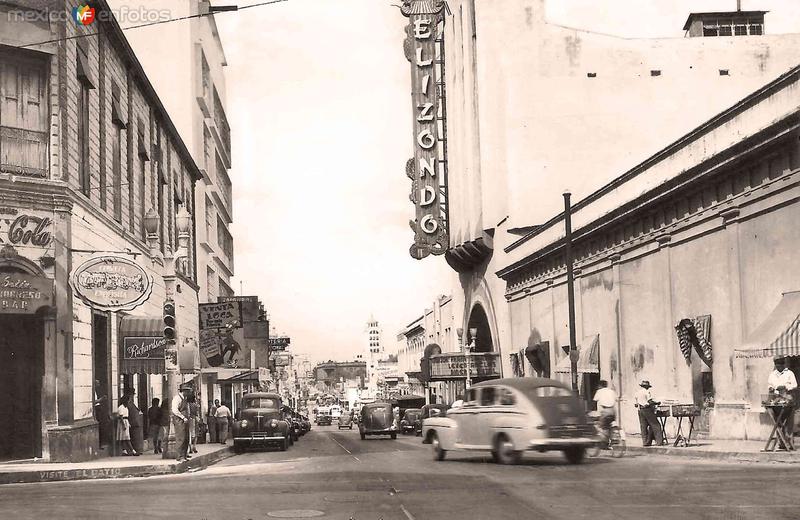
column 612, row 439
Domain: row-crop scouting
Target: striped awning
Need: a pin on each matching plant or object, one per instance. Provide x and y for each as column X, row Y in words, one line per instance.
column 588, row 357
column 778, row 335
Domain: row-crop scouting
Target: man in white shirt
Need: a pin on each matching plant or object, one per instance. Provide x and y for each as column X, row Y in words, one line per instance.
column 781, row 377
column 180, row 418
column 606, row 400
column 223, row 422
column 784, row 381
column 648, row 422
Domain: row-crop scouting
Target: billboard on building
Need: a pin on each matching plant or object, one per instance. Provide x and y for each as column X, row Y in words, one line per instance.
column 231, row 330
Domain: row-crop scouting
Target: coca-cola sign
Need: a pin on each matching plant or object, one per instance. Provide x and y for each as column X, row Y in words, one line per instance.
column 112, row 283
column 25, row 229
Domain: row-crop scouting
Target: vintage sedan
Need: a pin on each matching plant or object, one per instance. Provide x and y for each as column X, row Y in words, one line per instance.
column 377, row 419
column 411, row 419
column 346, row 421
column 510, row 416
column 260, row 423
column 428, row 411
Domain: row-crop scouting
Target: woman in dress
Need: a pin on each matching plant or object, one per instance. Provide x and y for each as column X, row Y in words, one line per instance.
column 124, row 427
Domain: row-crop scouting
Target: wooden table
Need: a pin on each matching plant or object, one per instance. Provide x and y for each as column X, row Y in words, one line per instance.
column 678, row 411
column 780, row 414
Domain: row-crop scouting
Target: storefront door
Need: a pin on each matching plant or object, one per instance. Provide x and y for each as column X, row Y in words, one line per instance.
column 21, row 345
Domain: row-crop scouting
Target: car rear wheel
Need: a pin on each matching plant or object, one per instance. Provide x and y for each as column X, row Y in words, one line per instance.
column 394, row 436
column 351, row 426
column 575, row 455
column 504, row 452
column 238, row 448
column 285, row 444
column 438, row 452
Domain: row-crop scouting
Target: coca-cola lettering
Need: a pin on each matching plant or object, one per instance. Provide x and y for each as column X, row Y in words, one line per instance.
column 30, row 230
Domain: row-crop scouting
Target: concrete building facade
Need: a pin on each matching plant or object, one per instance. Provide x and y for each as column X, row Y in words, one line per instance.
column 532, row 108
column 87, row 149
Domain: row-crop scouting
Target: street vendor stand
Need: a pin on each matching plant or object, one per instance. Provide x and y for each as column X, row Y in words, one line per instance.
column 678, row 411
column 781, row 410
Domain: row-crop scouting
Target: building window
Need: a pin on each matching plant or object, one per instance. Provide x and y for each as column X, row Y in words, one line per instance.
column 736, row 26
column 24, row 115
column 224, row 239
column 118, row 119
column 84, row 177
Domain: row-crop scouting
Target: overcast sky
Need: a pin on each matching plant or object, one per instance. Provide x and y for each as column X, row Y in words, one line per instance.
column 318, row 103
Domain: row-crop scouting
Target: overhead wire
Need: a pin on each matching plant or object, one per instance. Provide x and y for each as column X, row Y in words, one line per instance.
column 150, row 24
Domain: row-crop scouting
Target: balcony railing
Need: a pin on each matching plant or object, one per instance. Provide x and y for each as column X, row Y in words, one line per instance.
column 23, row 152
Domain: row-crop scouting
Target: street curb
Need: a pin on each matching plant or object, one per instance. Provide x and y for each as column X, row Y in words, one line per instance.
column 722, row 456
column 147, row 470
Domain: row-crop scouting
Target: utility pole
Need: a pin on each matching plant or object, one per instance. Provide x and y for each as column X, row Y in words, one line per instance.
column 573, row 344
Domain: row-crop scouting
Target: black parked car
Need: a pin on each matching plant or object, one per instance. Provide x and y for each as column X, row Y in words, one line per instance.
column 260, row 423
column 377, row 419
column 411, row 421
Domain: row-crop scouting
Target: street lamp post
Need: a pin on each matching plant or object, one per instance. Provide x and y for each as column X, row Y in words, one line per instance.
column 171, row 263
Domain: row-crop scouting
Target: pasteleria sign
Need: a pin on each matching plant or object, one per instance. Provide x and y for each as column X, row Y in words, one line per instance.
column 111, row 283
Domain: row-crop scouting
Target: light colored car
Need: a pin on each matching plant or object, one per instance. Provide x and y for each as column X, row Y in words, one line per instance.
column 510, row 416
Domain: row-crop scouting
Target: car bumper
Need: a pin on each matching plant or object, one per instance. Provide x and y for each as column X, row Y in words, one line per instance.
column 258, row 438
column 559, row 443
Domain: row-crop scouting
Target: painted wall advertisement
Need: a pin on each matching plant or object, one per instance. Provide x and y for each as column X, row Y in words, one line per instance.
column 427, row 170
column 230, row 330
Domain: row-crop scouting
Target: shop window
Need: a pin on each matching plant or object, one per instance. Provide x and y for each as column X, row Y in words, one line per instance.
column 707, row 388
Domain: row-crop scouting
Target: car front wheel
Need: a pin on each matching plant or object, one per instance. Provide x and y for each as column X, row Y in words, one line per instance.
column 438, row 452
column 504, row 451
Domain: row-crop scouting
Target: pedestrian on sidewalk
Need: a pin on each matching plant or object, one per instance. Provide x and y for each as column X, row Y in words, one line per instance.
column 164, row 423
column 123, row 427
column 194, row 420
column 137, row 435
column 154, row 424
column 180, row 416
column 212, row 420
column 648, row 422
column 223, row 418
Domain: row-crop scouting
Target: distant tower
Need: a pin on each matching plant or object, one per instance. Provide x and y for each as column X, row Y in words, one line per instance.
column 373, row 351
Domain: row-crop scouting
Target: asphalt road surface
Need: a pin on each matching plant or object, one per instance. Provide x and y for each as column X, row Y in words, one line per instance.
column 332, row 474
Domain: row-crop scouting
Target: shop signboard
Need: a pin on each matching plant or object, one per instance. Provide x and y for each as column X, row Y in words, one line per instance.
column 25, row 228
column 282, row 360
column 111, row 283
column 428, row 168
column 250, row 309
column 24, row 293
column 454, row 366
column 219, row 315
column 279, row 343
column 143, row 347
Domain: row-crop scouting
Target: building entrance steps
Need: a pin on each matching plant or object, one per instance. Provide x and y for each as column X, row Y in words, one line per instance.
column 148, row 464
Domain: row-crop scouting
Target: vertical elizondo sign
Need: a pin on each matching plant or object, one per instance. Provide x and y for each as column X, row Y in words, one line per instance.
column 427, row 169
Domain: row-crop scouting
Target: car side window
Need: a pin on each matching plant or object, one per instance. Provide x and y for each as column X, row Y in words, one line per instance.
column 506, row 398
column 487, row 395
column 471, row 397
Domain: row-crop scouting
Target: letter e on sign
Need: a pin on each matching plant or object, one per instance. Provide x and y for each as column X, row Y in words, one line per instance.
column 422, row 28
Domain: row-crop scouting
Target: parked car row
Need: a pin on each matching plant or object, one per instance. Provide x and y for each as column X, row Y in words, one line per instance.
column 263, row 421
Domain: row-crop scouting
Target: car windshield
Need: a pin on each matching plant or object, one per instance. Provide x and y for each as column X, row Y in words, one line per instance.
column 261, row 402
column 548, row 391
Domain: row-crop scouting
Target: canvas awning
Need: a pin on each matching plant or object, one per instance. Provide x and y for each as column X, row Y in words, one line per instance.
column 778, row 335
column 588, row 360
column 141, row 345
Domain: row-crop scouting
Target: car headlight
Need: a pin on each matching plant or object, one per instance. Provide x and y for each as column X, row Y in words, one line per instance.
column 243, row 423
column 274, row 423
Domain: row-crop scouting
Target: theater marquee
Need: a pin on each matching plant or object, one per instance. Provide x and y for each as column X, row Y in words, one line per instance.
column 424, row 49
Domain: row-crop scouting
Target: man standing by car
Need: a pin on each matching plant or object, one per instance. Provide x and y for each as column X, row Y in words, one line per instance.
column 648, row 422
column 180, row 418
column 223, row 421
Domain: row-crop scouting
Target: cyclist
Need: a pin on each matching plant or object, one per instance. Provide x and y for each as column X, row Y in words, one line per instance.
column 606, row 400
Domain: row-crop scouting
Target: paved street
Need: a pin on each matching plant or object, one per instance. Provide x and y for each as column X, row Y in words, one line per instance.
column 336, row 473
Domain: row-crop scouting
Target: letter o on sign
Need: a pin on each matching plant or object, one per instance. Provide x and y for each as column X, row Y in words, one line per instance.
column 429, row 224
column 426, row 140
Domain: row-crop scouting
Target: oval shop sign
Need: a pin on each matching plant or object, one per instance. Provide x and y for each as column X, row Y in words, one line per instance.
column 111, row 283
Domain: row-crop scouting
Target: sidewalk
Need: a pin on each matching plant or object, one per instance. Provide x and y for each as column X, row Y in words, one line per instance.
column 145, row 465
column 717, row 449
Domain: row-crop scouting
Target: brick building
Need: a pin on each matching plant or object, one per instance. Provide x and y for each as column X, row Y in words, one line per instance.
column 86, row 150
